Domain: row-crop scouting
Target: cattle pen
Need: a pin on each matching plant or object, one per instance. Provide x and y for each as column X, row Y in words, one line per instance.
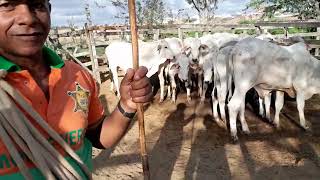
column 182, row 140
column 69, row 41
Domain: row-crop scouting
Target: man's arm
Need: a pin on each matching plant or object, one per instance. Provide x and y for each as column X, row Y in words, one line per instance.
column 134, row 88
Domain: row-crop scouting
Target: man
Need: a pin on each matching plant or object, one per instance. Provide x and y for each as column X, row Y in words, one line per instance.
column 63, row 93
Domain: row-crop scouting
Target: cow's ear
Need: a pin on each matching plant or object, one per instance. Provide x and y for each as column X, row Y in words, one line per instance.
column 159, row 48
column 204, row 49
column 186, row 51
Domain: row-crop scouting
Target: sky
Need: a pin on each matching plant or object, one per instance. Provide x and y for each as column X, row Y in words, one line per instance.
column 65, row 11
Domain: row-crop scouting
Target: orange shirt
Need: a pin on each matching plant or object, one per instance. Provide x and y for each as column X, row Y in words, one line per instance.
column 73, row 105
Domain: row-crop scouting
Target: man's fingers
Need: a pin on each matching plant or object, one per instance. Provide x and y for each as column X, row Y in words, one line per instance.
column 141, row 92
column 140, row 73
column 139, row 84
column 143, row 99
column 128, row 78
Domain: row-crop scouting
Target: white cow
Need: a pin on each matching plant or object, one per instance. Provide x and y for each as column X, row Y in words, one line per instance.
column 151, row 55
column 266, row 66
column 222, row 85
column 169, row 69
column 191, row 48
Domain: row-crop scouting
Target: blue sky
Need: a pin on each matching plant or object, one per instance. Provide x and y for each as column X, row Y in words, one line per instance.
column 73, row 10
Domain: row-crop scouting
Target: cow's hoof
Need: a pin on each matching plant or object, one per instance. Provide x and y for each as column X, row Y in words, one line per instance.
column 246, row 132
column 234, row 139
column 161, row 101
column 189, row 100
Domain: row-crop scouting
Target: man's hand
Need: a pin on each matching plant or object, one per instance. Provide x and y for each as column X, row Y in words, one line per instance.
column 135, row 88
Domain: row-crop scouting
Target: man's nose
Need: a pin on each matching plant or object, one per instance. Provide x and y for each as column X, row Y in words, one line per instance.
column 26, row 15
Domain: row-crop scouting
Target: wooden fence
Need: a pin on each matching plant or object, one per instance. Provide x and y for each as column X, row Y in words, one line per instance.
column 97, row 37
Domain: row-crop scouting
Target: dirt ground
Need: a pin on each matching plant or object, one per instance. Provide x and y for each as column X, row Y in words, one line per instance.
column 184, row 143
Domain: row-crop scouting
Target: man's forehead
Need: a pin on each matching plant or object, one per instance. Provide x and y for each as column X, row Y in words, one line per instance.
column 25, row 1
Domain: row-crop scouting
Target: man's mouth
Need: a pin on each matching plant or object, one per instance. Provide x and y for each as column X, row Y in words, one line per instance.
column 35, row 36
column 30, row 34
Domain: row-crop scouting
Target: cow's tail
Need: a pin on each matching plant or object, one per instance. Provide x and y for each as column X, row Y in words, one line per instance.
column 230, row 72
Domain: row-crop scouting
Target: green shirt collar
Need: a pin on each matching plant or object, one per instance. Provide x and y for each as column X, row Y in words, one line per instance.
column 50, row 57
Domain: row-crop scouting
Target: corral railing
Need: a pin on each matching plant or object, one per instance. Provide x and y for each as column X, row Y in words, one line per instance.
column 70, row 41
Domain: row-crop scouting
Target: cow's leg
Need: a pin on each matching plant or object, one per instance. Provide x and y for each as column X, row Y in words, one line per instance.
column 222, row 95
column 243, row 121
column 300, row 104
column 200, row 85
column 169, row 95
column 234, row 106
column 162, row 84
column 279, row 101
column 214, row 106
column 188, row 85
column 267, row 103
column 112, row 80
column 115, row 81
column 261, row 110
column 174, row 88
column 205, row 88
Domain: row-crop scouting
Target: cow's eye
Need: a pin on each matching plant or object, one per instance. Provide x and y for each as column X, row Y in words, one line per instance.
column 166, row 47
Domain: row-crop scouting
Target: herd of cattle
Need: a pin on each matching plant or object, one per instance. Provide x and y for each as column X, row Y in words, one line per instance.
column 234, row 65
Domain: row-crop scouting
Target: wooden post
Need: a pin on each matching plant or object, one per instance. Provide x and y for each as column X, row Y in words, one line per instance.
column 317, row 52
column 135, row 55
column 180, row 33
column 156, row 34
column 93, row 54
column 286, row 31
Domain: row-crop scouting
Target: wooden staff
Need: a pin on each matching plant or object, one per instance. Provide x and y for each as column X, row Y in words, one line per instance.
column 135, row 55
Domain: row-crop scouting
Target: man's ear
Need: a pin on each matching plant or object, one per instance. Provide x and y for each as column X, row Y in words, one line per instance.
column 49, row 5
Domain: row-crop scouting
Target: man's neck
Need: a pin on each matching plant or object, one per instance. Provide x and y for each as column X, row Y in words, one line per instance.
column 31, row 63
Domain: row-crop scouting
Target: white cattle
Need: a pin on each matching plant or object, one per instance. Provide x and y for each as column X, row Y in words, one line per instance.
column 210, row 45
column 266, row 66
column 151, row 55
column 168, row 70
column 191, row 48
column 220, row 39
column 222, row 85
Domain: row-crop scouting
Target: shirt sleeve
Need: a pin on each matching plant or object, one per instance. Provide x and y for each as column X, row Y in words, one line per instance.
column 96, row 110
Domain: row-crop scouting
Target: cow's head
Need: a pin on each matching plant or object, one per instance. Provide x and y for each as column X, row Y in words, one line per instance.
column 165, row 52
column 191, row 48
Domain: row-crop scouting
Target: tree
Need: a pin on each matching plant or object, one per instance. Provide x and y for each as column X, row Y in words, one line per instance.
column 153, row 12
column 205, row 8
column 149, row 12
column 305, row 9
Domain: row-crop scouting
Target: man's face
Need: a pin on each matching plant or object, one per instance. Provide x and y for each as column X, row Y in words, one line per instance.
column 24, row 26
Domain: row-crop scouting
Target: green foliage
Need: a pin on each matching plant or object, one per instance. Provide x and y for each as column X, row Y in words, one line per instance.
column 153, row 12
column 276, row 31
column 301, row 30
column 238, row 31
column 149, row 12
column 306, row 9
column 205, row 8
column 252, row 32
column 247, row 21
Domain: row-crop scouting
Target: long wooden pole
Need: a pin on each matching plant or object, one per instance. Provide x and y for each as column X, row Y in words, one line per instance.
column 135, row 55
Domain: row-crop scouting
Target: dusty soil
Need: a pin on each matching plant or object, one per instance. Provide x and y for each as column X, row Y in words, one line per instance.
column 184, row 143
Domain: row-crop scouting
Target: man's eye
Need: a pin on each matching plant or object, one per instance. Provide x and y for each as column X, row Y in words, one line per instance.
column 38, row 5
column 6, row 6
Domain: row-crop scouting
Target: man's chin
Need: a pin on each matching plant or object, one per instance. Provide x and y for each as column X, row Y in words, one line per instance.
column 29, row 51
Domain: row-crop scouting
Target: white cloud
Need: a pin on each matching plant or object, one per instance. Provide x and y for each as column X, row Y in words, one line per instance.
column 66, row 10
